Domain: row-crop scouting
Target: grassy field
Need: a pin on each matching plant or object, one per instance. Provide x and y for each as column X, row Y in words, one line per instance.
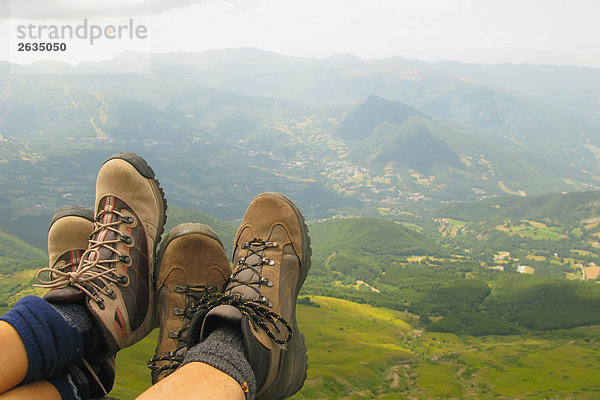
column 361, row 352
column 558, row 365
column 133, row 377
column 531, row 229
column 349, row 354
column 18, row 284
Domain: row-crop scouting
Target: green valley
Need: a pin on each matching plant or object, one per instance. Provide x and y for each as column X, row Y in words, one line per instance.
column 412, row 309
column 361, row 352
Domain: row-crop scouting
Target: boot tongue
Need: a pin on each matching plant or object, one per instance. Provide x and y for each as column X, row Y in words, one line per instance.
column 248, row 274
column 106, row 234
column 223, row 314
column 253, row 259
column 68, row 294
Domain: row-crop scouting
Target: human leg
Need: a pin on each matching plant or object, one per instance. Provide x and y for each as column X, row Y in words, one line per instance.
column 41, row 344
column 36, row 390
column 54, row 337
column 196, row 381
column 67, row 240
column 13, row 358
column 50, row 342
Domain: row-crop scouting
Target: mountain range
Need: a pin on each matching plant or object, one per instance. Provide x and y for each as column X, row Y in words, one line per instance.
column 339, row 135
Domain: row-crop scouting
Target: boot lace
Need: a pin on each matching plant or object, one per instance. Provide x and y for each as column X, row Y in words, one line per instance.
column 92, row 274
column 259, row 309
column 174, row 358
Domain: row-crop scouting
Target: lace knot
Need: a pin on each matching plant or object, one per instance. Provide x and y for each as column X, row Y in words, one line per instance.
column 73, row 278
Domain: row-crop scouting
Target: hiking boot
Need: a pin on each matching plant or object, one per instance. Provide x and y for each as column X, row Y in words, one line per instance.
column 68, row 231
column 191, row 264
column 68, row 234
column 271, row 258
column 114, row 276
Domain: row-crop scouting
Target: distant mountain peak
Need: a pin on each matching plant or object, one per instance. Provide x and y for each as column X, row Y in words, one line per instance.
column 345, row 59
column 373, row 111
column 49, row 67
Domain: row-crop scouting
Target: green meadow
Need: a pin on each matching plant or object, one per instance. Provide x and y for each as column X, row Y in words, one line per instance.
column 357, row 351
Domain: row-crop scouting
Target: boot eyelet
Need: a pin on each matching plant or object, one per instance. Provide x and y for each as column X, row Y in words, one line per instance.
column 111, row 294
column 126, row 239
column 173, row 335
column 127, row 219
column 179, row 289
column 178, row 311
column 124, row 259
column 265, row 281
column 122, row 279
column 266, row 302
column 268, row 261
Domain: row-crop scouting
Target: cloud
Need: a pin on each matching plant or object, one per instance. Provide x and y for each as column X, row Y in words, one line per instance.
column 70, row 9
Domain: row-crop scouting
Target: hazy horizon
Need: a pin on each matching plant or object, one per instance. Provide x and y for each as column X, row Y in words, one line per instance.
column 399, row 57
column 483, row 32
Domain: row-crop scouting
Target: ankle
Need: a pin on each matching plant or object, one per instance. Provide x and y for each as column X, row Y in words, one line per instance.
column 223, row 349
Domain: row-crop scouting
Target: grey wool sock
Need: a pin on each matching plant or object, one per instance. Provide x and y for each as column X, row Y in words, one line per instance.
column 224, row 350
column 78, row 317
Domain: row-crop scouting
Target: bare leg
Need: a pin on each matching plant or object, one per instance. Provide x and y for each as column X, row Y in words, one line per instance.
column 195, row 381
column 13, row 358
column 36, row 390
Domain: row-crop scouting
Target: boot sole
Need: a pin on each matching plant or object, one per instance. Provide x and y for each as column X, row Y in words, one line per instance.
column 179, row 231
column 306, row 249
column 72, row 211
column 300, row 343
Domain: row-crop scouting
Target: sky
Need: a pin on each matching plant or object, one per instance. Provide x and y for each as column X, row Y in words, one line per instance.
column 478, row 31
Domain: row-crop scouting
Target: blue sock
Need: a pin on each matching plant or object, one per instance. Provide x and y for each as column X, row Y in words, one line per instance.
column 84, row 381
column 51, row 342
column 72, row 384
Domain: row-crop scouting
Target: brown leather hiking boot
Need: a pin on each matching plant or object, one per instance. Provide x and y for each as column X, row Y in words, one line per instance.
column 191, row 264
column 114, row 276
column 272, row 258
column 68, row 234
